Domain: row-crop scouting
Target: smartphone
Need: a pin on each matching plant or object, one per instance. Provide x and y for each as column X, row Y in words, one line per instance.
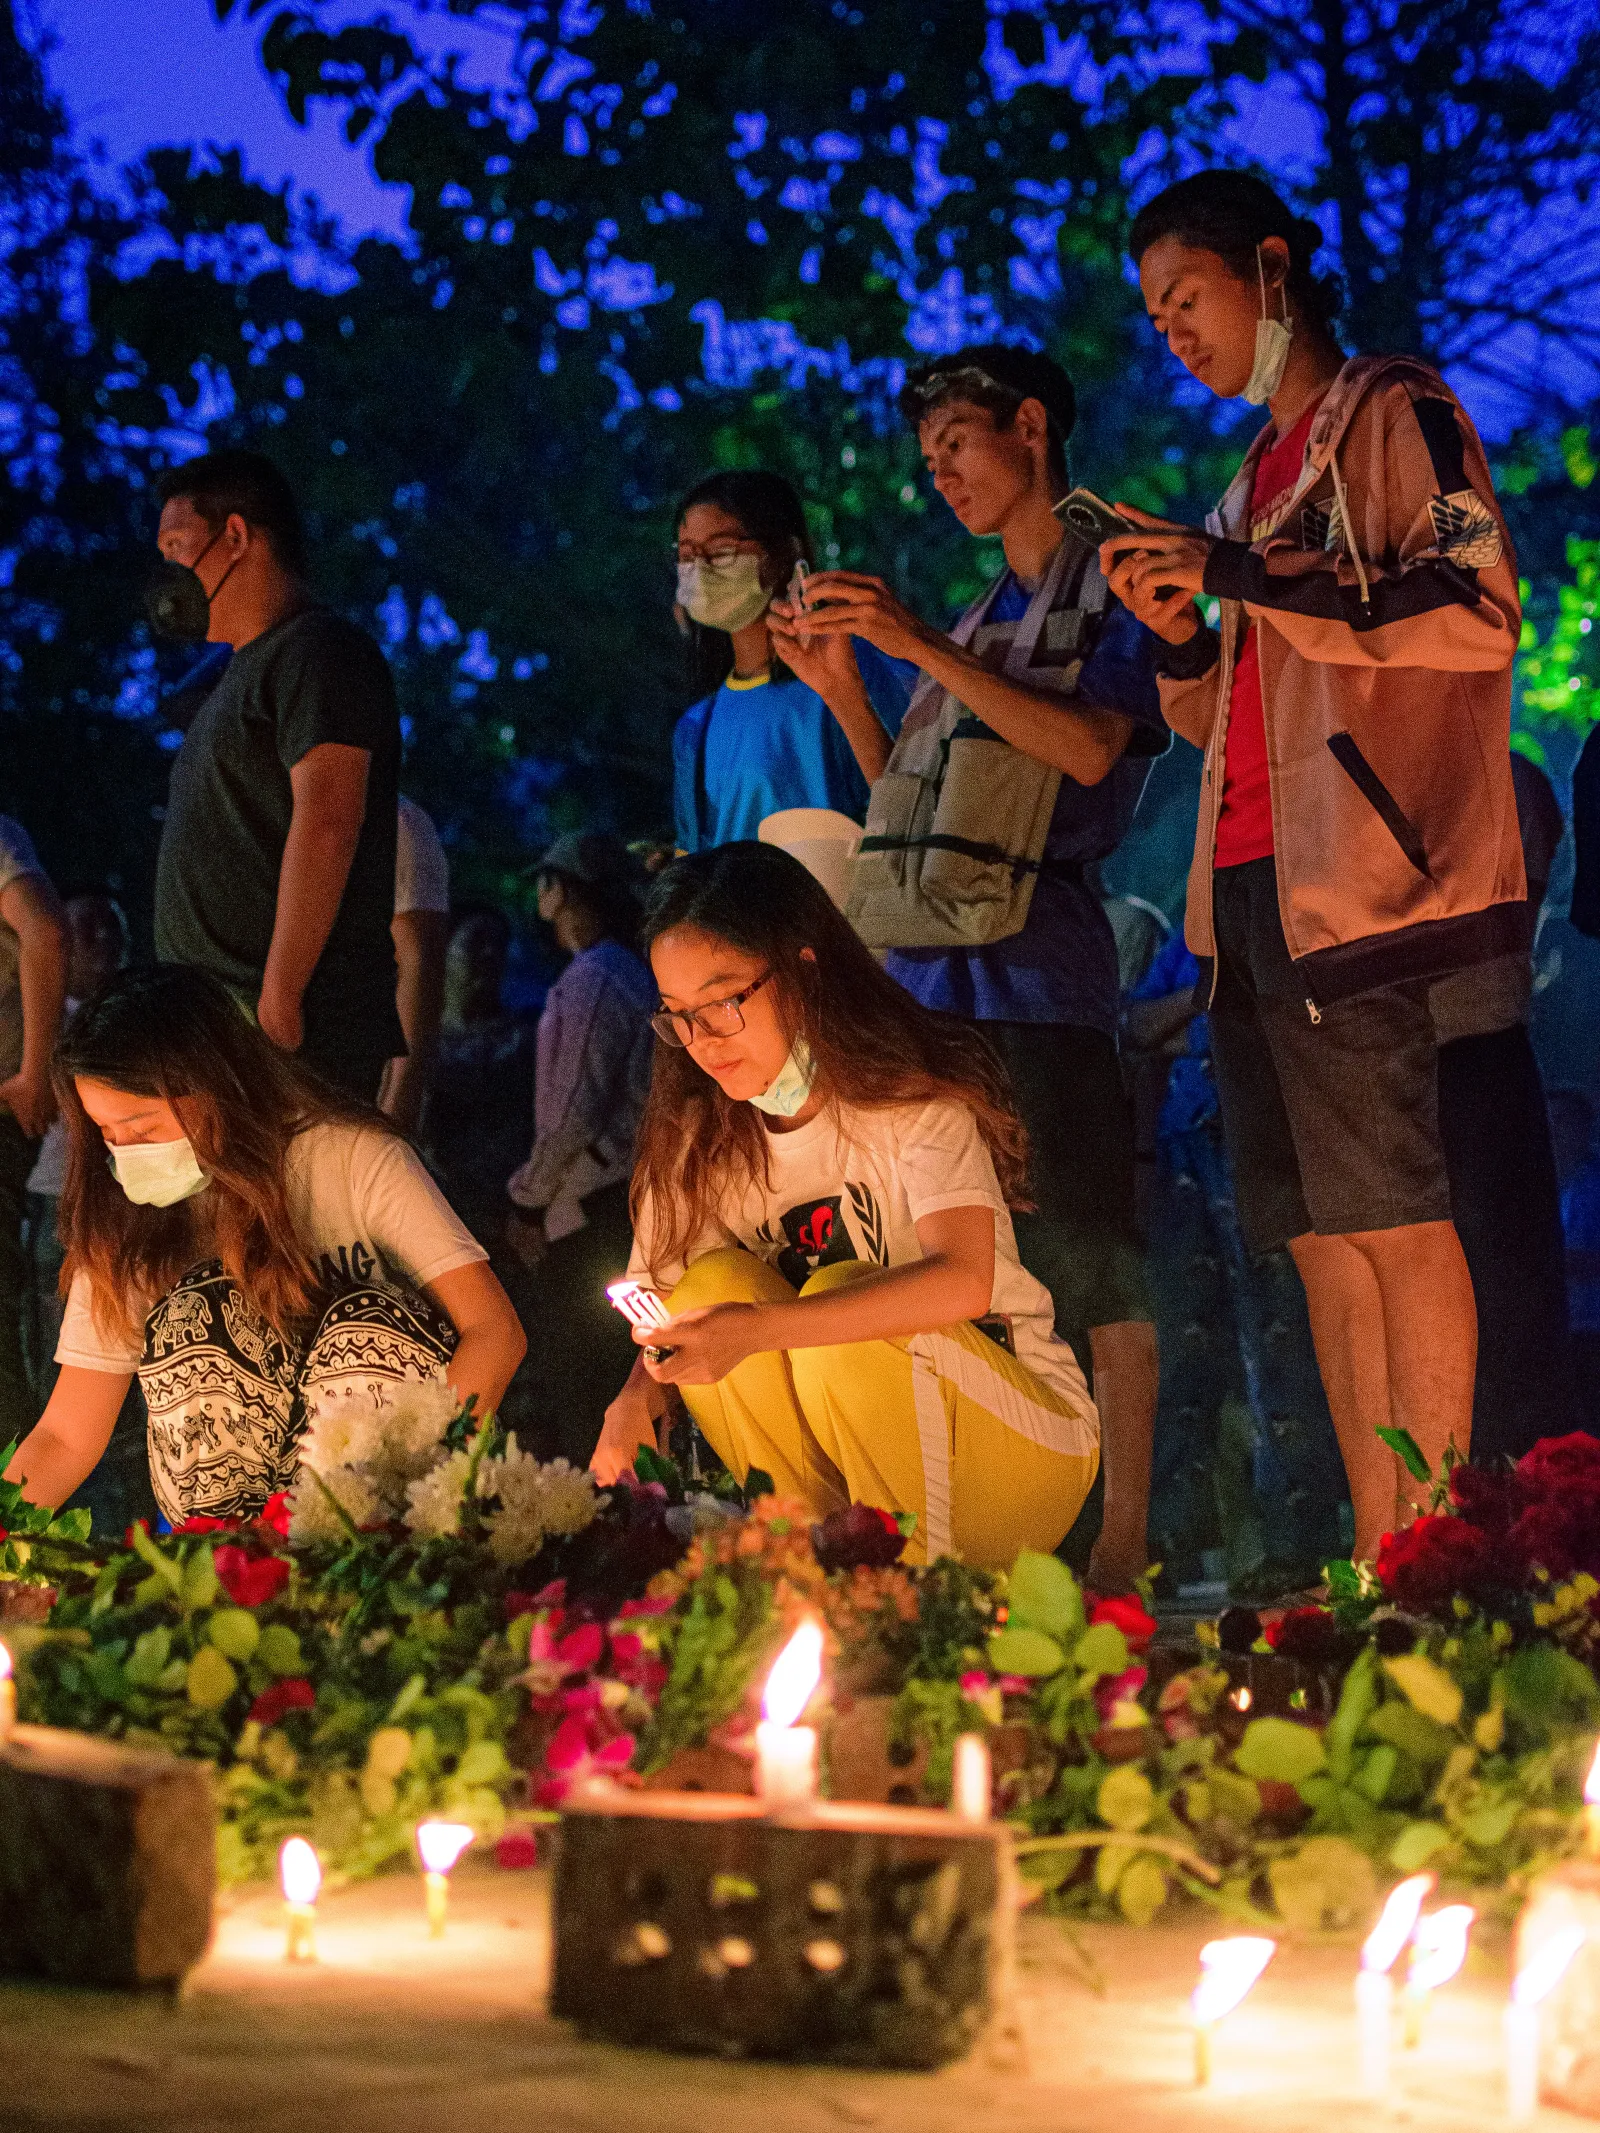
column 1091, row 518
column 795, row 593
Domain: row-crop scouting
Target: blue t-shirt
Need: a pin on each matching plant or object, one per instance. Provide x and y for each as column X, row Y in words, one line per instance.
column 759, row 746
column 1062, row 966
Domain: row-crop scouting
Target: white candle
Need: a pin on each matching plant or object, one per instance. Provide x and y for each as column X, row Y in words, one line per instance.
column 786, row 1753
column 439, row 1846
column 1537, row 1978
column 300, row 1877
column 786, row 1764
column 1375, row 1987
column 1591, row 1806
column 970, row 1778
column 8, row 1697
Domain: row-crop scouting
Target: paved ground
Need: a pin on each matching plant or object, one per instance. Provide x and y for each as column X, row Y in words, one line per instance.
column 390, row 2033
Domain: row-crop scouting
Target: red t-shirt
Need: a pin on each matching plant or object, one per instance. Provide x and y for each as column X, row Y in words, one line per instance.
column 1244, row 830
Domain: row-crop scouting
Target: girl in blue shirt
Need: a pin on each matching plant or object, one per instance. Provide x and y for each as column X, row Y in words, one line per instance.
column 810, row 730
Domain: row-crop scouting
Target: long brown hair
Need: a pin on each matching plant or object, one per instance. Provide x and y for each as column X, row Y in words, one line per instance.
column 873, row 1044
column 179, row 1035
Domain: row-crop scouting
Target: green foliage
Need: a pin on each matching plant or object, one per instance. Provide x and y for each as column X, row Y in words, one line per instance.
column 37, row 1545
column 1560, row 669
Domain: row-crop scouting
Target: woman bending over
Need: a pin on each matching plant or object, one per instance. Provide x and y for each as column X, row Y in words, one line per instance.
column 250, row 1243
column 821, row 1194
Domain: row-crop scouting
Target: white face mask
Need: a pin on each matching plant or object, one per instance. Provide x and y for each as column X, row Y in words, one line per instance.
column 725, row 598
column 1273, row 336
column 157, row 1173
column 792, row 1088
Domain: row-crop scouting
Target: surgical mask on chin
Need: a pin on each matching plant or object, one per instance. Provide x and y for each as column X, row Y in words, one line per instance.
column 157, row 1173
column 1273, row 336
column 792, row 1088
column 723, row 599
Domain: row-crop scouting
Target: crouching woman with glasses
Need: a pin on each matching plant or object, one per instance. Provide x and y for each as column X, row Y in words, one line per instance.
column 821, row 1196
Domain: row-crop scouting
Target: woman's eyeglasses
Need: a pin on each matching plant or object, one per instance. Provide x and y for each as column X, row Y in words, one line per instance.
column 718, row 1018
column 722, row 556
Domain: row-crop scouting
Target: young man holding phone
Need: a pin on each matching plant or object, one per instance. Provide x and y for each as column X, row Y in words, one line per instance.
column 1054, row 670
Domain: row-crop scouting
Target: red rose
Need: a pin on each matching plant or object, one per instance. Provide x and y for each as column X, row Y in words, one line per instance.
column 274, row 1514
column 1561, row 1533
column 207, row 1525
column 1488, row 1496
column 516, row 1848
column 1128, row 1615
column 250, row 1580
column 1562, row 1462
column 295, row 1694
column 862, row 1535
column 1425, row 1566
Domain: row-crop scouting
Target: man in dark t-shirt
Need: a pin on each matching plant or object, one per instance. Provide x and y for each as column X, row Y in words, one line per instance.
column 276, row 869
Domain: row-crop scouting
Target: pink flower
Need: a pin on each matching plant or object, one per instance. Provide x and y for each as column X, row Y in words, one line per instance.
column 250, row 1580
column 660, row 1605
column 576, row 1753
column 1014, row 1685
column 580, row 1649
column 275, row 1514
column 1112, row 1689
column 1127, row 1614
column 516, row 1848
column 974, row 1684
column 206, row 1525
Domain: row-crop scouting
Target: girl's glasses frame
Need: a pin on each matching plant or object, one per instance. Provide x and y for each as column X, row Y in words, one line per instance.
column 718, row 1018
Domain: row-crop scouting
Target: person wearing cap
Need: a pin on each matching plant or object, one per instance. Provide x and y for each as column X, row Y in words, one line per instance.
column 569, row 1200
column 1050, row 664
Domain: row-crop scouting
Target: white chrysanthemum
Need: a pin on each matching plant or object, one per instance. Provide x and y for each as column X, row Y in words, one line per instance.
column 312, row 1518
column 336, row 1420
column 415, row 1422
column 569, row 1498
column 535, row 1502
column 433, row 1501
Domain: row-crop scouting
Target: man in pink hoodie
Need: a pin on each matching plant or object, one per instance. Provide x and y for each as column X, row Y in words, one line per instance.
column 1358, row 829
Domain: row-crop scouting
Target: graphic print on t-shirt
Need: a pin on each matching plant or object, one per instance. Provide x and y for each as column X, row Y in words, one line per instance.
column 818, row 1232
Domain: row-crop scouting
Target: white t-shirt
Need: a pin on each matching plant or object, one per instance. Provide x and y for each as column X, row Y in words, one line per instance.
column 364, row 1203
column 856, row 1190
column 421, row 869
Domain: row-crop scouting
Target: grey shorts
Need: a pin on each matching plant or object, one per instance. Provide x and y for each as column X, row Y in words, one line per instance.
column 1331, row 1113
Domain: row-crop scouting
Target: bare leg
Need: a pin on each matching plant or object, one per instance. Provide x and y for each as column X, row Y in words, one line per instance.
column 1432, row 1324
column 1396, row 1334
column 1345, row 1305
column 1126, row 1382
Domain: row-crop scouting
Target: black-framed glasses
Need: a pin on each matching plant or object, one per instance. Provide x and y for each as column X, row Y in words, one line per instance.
column 720, row 555
column 718, row 1018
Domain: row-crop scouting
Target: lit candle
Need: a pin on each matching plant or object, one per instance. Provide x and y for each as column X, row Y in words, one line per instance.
column 1438, row 1949
column 439, row 1846
column 970, row 1778
column 1228, row 1968
column 1537, row 1978
column 786, row 1753
column 8, row 1697
column 1591, row 1806
column 1375, row 1987
column 300, row 1877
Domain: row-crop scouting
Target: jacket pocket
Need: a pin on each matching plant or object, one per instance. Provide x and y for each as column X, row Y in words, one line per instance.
column 1342, row 747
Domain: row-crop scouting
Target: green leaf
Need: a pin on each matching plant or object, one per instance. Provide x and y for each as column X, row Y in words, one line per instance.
column 1126, row 1799
column 1377, row 1773
column 1277, row 1748
column 1344, row 1580
column 1416, row 1845
column 148, row 1660
column 209, row 1680
column 1427, row 1686
column 235, row 1632
column 1405, row 1727
column 1407, row 1450
column 1326, row 1883
column 279, row 1649
column 408, row 1699
column 162, row 1566
column 1491, row 1824
column 1141, row 1891
column 758, row 1482
column 484, row 1763
column 200, row 1586
column 1357, row 1700
column 1042, row 1593
column 1025, row 1651
column 1546, row 1686
column 1102, row 1650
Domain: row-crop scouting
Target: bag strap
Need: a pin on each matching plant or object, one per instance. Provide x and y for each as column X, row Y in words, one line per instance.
column 975, row 848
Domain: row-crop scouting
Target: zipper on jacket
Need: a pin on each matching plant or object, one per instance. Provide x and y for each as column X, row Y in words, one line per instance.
column 1313, row 1010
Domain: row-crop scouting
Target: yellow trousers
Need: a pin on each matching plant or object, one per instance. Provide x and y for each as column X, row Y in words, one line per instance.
column 947, row 1424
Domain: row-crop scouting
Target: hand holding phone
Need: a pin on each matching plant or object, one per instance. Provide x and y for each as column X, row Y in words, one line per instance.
column 1091, row 518
column 795, row 593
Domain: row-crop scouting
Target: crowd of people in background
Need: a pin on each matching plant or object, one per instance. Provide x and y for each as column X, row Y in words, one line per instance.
column 966, row 1191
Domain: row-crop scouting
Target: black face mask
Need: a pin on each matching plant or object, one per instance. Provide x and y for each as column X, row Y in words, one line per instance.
column 176, row 600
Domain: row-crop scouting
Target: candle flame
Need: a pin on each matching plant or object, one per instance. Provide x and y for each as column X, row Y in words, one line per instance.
column 440, row 1844
column 1545, row 1968
column 1228, row 1968
column 5, row 1664
column 1440, row 1946
column 794, row 1677
column 1591, row 1784
column 299, row 1871
column 1382, row 1945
